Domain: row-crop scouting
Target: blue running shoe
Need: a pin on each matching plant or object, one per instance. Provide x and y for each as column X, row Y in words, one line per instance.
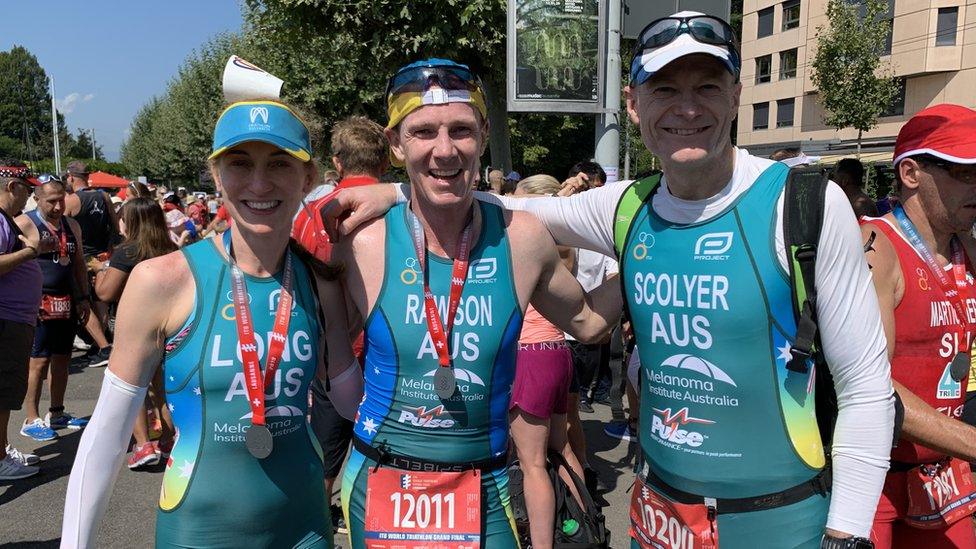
column 38, row 430
column 622, row 430
column 64, row 420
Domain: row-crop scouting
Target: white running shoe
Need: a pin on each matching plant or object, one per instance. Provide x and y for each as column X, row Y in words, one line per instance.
column 80, row 344
column 26, row 458
column 11, row 469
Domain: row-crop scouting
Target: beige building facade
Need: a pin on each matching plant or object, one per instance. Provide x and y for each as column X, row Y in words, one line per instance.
column 932, row 52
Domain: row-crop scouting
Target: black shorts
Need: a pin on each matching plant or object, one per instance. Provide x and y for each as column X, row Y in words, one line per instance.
column 15, row 346
column 333, row 431
column 53, row 337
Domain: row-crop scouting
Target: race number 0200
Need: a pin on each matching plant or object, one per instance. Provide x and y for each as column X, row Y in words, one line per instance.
column 672, row 533
column 418, row 509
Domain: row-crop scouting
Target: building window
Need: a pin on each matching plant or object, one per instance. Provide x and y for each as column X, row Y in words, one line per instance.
column 787, row 64
column 791, row 14
column 890, row 24
column 945, row 34
column 760, row 116
column 765, row 22
column 764, row 69
column 897, row 105
column 784, row 112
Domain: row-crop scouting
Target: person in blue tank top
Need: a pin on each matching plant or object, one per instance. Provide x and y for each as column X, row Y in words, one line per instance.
column 731, row 450
column 234, row 321
column 442, row 284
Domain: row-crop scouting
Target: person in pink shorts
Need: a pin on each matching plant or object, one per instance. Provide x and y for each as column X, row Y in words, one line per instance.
column 537, row 411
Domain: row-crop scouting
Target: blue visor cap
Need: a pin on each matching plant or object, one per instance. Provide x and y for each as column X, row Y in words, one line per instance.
column 265, row 121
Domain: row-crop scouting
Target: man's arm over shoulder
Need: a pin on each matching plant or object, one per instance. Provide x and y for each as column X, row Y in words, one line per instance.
column 556, row 294
column 855, row 348
column 584, row 220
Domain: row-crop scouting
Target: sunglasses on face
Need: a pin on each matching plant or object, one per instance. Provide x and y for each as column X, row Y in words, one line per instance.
column 421, row 79
column 965, row 173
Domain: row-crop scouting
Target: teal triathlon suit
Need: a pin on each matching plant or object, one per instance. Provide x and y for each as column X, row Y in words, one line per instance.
column 721, row 416
column 215, row 493
column 401, row 410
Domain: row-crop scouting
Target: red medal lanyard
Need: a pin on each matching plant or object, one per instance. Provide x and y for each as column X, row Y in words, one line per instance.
column 256, row 385
column 459, row 274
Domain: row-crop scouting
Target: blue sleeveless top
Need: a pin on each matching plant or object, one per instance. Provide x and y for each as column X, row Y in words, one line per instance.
column 401, row 408
column 214, row 492
column 712, row 311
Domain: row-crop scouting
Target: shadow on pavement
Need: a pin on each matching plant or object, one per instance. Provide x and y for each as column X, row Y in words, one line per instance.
column 611, row 473
column 56, row 459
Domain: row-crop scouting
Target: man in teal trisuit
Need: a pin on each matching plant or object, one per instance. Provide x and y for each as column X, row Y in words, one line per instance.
column 731, row 448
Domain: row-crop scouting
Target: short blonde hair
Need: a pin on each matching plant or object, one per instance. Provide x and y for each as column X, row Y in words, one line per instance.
column 540, row 184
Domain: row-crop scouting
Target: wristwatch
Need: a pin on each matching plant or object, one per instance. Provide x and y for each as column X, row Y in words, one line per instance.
column 828, row 542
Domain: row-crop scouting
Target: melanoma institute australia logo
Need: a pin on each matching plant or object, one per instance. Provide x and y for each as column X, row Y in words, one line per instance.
column 712, row 247
column 691, row 379
column 259, row 119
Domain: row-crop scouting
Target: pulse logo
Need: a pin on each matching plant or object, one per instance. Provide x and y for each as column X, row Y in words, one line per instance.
column 712, row 247
column 422, row 417
column 667, row 427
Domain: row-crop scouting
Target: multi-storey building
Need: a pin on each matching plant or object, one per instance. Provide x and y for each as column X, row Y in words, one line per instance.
column 932, row 49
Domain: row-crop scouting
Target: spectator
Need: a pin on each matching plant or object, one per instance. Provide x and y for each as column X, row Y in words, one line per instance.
column 197, row 211
column 849, row 175
column 361, row 154
column 93, row 211
column 496, row 180
column 539, row 404
column 511, row 180
column 64, row 301
column 145, row 236
column 212, row 205
column 20, row 297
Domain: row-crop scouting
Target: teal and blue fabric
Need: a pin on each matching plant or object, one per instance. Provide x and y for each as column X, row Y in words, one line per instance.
column 721, row 416
column 215, row 493
column 401, row 410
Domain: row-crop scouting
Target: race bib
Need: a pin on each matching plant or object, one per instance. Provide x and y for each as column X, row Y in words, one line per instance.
column 940, row 494
column 423, row 510
column 658, row 523
column 55, row 307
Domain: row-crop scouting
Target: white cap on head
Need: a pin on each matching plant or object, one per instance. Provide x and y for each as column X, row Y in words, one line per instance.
column 649, row 61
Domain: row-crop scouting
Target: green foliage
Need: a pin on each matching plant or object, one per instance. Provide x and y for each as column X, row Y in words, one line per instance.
column 25, row 106
column 98, row 165
column 550, row 144
column 854, row 86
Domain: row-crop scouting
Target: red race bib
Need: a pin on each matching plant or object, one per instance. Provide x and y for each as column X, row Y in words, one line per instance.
column 940, row 494
column 423, row 510
column 658, row 523
column 55, row 307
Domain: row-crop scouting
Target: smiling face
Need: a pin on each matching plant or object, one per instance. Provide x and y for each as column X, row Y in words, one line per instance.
column 685, row 111
column 262, row 185
column 441, row 146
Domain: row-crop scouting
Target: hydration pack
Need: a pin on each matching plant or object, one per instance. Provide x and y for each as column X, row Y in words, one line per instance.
column 574, row 527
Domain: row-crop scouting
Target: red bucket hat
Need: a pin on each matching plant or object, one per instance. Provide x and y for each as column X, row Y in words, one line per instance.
column 945, row 131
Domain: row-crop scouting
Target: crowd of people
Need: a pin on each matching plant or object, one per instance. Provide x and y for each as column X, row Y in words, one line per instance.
column 797, row 361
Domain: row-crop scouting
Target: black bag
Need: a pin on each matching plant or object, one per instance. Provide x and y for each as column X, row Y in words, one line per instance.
column 592, row 532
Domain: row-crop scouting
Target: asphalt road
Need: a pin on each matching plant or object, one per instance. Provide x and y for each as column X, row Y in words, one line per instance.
column 31, row 509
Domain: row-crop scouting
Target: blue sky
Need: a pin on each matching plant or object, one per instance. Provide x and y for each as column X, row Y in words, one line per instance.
column 108, row 58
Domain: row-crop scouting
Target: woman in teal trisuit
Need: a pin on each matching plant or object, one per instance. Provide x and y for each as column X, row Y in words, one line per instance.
column 224, row 485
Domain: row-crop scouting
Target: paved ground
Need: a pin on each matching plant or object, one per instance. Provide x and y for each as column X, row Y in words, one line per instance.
column 31, row 509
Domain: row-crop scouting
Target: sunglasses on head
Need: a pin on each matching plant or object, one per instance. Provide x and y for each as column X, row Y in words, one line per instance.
column 703, row 28
column 422, row 78
column 47, row 178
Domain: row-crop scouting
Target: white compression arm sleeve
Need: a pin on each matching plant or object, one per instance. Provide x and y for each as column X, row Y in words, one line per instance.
column 97, row 462
column 347, row 390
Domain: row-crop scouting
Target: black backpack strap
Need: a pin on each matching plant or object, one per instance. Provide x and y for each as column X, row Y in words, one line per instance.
column 803, row 210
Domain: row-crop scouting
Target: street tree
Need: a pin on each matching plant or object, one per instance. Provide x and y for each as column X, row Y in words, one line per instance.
column 855, row 87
